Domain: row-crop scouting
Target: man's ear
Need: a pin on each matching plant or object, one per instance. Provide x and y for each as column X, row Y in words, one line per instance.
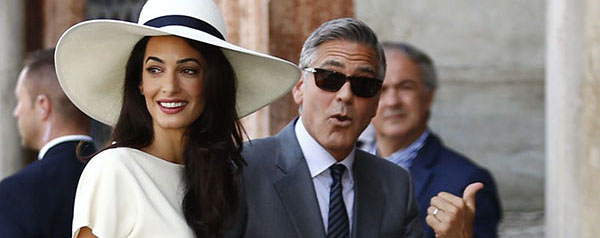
column 43, row 106
column 430, row 98
column 378, row 98
column 298, row 91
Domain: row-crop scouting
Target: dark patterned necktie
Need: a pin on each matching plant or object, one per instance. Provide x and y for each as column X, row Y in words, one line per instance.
column 338, row 226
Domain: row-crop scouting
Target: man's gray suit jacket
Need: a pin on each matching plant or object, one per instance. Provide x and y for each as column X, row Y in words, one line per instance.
column 280, row 200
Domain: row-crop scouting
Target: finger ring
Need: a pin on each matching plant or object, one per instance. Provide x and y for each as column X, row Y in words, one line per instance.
column 435, row 211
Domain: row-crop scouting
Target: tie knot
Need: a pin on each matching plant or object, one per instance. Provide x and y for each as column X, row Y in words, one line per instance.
column 337, row 170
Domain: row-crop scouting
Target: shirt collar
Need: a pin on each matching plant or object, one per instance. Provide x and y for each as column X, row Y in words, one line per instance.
column 415, row 146
column 59, row 140
column 317, row 158
column 368, row 140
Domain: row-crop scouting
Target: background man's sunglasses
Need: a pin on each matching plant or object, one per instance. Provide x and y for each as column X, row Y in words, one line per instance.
column 332, row 81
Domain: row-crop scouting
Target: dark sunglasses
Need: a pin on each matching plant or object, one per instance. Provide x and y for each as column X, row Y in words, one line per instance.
column 332, row 81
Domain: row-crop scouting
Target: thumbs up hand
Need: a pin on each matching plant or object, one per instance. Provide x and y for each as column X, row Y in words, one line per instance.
column 451, row 216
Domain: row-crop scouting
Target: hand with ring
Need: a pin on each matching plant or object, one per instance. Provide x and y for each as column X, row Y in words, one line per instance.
column 435, row 211
column 451, row 216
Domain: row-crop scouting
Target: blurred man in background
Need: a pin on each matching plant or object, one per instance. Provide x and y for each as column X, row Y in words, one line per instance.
column 38, row 200
column 403, row 137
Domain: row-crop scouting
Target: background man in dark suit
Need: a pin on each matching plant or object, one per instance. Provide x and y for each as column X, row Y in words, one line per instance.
column 38, row 200
column 403, row 137
column 309, row 180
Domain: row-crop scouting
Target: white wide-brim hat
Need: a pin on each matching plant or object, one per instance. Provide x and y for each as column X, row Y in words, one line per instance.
column 91, row 57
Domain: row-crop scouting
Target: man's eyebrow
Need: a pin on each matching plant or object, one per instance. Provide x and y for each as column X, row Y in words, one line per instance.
column 366, row 69
column 333, row 63
column 181, row 61
column 362, row 69
column 407, row 81
column 155, row 59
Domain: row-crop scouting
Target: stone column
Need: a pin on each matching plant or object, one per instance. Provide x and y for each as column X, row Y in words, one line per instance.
column 11, row 46
column 572, row 110
column 58, row 16
column 278, row 28
column 590, row 166
column 247, row 26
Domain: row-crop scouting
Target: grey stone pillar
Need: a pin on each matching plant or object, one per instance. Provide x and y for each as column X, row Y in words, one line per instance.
column 572, row 111
column 11, row 48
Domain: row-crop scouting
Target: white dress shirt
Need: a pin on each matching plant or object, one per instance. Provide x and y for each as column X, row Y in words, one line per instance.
column 319, row 161
column 405, row 157
column 402, row 157
column 59, row 140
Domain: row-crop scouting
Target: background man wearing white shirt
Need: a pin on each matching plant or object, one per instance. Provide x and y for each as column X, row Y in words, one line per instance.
column 38, row 200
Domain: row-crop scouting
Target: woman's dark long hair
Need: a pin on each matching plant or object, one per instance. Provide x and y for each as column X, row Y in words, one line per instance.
column 212, row 156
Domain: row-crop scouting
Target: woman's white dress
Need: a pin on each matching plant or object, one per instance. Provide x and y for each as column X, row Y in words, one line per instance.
column 125, row 192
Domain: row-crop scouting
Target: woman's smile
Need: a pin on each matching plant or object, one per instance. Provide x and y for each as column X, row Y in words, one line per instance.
column 172, row 106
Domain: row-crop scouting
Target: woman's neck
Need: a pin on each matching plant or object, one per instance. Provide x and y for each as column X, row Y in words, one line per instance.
column 168, row 145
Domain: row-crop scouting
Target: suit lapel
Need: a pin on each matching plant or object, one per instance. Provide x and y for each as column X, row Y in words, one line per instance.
column 295, row 186
column 420, row 170
column 369, row 200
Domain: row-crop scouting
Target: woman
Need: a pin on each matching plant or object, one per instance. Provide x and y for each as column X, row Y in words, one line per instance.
column 172, row 168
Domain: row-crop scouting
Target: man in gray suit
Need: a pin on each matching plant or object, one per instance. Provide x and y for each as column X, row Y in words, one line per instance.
column 310, row 180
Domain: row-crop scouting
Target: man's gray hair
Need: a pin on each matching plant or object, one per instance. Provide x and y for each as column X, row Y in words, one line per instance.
column 348, row 29
column 420, row 58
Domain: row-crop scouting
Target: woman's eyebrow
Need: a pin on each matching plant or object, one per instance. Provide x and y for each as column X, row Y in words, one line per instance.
column 155, row 59
column 181, row 61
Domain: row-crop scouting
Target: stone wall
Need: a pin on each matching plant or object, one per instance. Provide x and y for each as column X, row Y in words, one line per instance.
column 490, row 103
column 11, row 46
